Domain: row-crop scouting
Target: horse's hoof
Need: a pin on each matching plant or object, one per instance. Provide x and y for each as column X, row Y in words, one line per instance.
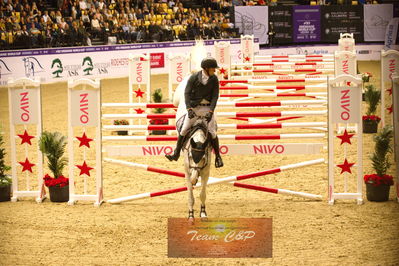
column 203, row 212
column 203, row 215
column 190, row 220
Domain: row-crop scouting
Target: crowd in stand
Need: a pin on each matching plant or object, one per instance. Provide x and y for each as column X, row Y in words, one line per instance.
column 28, row 24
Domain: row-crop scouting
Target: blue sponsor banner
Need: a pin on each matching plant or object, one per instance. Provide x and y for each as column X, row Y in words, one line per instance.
column 307, row 23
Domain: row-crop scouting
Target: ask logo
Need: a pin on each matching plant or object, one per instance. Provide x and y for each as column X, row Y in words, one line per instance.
column 56, row 67
column 98, row 68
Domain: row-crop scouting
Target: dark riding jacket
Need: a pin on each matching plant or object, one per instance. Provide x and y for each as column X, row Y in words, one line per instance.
column 195, row 91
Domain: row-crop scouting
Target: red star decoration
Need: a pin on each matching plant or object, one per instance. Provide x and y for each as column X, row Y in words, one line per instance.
column 139, row 93
column 247, row 59
column 222, row 70
column 26, row 166
column 26, row 138
column 139, row 111
column 389, row 91
column 346, row 138
column 84, row 169
column 390, row 109
column 84, row 140
column 346, row 167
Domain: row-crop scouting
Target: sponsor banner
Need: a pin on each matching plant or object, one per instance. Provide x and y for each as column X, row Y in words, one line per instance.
column 157, row 60
column 60, row 64
column 281, row 19
column 252, row 20
column 363, row 52
column 391, row 33
column 341, row 19
column 220, row 238
column 227, row 149
column 306, row 23
column 348, row 104
column 376, row 19
column 25, row 106
column 84, row 110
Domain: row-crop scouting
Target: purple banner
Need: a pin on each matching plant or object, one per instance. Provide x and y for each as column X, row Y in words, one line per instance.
column 306, row 21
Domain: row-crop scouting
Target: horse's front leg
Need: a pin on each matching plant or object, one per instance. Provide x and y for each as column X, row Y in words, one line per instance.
column 204, row 181
column 190, row 196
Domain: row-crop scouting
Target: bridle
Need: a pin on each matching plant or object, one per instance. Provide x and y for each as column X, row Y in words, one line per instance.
column 205, row 156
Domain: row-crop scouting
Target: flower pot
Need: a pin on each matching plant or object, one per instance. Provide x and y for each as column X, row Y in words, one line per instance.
column 377, row 193
column 370, row 126
column 59, row 194
column 5, row 193
column 159, row 132
column 121, row 132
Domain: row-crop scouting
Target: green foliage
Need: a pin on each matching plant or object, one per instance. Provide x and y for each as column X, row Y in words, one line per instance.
column 157, row 98
column 382, row 148
column 372, row 97
column 4, row 179
column 52, row 144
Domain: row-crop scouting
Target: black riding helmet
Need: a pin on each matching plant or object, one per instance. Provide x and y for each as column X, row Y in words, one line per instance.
column 209, row 62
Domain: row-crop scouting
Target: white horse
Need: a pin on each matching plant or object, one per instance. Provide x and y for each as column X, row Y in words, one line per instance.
column 196, row 152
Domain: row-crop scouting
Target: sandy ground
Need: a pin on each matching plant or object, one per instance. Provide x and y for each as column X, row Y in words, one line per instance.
column 304, row 231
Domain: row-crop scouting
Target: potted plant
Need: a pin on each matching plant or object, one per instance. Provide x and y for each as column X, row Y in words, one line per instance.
column 120, row 123
column 52, row 145
column 157, row 98
column 378, row 184
column 5, row 180
column 370, row 120
column 365, row 78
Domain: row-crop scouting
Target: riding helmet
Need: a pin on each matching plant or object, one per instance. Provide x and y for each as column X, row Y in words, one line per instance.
column 209, row 62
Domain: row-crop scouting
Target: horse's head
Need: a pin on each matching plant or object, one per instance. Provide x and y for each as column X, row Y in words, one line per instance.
column 199, row 144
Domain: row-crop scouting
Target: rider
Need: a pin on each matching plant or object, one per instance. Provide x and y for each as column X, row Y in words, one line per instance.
column 201, row 95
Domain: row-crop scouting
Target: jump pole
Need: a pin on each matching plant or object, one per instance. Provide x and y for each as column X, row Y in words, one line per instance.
column 220, row 114
column 228, row 104
column 307, row 94
column 230, row 137
column 218, row 181
column 236, row 184
column 260, row 79
column 233, row 126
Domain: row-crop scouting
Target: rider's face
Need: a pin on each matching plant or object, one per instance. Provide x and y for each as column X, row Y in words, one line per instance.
column 211, row 71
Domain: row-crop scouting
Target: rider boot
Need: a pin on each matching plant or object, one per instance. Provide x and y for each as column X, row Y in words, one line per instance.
column 176, row 153
column 215, row 146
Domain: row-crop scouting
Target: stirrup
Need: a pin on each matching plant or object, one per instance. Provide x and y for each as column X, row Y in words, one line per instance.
column 218, row 162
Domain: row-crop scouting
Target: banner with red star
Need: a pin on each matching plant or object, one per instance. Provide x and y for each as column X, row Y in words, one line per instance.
column 25, row 138
column 346, row 166
column 84, row 169
column 84, row 140
column 139, row 111
column 139, row 93
column 26, row 166
column 247, row 59
column 346, row 138
column 390, row 109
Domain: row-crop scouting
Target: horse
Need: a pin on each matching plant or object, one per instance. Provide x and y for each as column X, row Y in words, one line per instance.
column 197, row 153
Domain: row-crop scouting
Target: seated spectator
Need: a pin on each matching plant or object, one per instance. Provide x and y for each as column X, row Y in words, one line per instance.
column 34, row 35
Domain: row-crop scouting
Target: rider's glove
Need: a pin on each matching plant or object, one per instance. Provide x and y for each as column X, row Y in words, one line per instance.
column 190, row 113
column 208, row 116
